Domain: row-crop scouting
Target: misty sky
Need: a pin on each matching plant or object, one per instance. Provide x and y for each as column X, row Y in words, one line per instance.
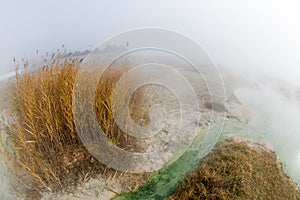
column 251, row 35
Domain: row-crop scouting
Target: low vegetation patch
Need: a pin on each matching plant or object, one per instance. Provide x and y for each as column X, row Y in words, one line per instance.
column 236, row 171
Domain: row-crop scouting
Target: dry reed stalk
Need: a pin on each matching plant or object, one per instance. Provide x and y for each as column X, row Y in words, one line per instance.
column 42, row 145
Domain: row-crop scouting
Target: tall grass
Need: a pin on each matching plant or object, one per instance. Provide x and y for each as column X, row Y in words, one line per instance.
column 42, row 146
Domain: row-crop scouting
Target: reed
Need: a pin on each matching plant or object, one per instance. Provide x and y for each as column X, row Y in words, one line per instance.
column 41, row 145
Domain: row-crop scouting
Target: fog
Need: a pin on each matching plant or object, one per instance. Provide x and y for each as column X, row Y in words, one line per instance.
column 248, row 37
column 276, row 122
column 244, row 35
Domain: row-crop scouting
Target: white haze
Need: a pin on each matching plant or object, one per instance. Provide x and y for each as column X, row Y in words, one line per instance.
column 248, row 36
column 251, row 35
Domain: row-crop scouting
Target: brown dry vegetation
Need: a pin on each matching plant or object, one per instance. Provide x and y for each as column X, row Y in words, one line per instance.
column 43, row 149
column 237, row 171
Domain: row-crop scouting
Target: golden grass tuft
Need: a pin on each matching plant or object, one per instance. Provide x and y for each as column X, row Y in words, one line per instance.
column 43, row 149
column 236, row 171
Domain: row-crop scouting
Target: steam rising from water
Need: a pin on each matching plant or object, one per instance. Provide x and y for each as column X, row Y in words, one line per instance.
column 277, row 120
